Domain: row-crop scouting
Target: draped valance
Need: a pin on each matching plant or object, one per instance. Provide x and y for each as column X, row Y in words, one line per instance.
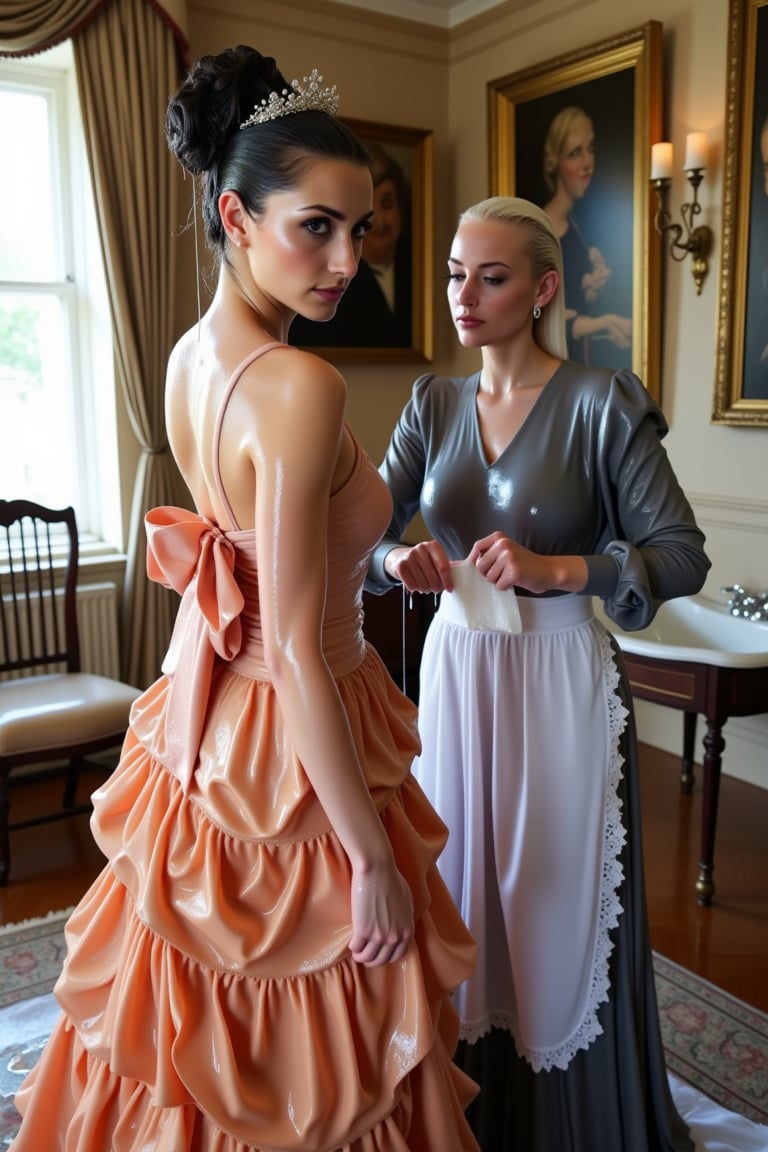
column 31, row 26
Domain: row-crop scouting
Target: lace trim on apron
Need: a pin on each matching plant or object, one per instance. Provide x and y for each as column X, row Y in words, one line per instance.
column 612, row 877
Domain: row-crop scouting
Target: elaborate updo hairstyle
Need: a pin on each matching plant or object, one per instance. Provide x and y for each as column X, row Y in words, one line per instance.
column 202, row 127
column 554, row 142
column 543, row 250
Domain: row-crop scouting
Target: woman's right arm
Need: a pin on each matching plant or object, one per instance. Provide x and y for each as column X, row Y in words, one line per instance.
column 421, row 567
column 294, row 456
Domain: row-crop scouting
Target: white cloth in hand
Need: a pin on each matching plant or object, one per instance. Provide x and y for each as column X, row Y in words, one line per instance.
column 478, row 604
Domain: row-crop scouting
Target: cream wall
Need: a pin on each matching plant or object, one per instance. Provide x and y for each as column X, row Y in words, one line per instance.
column 396, row 72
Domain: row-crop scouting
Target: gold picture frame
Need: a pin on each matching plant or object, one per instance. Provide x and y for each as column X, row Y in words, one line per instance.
column 360, row 333
column 741, row 366
column 616, row 86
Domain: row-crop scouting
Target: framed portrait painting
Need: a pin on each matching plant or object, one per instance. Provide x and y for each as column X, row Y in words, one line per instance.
column 385, row 315
column 574, row 135
column 741, row 369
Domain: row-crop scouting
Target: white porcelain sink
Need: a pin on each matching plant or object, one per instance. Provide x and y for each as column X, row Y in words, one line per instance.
column 694, row 628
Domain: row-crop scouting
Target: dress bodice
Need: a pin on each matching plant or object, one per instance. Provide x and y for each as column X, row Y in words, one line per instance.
column 216, row 574
column 358, row 515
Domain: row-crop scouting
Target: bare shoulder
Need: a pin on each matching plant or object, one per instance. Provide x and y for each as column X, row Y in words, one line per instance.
column 305, row 371
column 298, row 382
column 180, row 360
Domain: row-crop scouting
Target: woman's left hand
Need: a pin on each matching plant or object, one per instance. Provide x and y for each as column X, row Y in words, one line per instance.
column 507, row 564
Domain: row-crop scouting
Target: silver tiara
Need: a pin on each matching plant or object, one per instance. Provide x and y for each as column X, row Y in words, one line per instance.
column 299, row 100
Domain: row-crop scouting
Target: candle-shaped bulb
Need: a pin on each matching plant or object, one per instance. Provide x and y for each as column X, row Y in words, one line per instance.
column 695, row 151
column 661, row 161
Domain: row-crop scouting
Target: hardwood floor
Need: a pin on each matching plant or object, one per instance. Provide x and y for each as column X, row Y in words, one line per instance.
column 727, row 944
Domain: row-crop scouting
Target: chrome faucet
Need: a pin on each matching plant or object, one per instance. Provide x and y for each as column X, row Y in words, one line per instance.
column 750, row 605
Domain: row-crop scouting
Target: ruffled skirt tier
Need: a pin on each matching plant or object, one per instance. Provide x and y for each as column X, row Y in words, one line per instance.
column 209, row 1000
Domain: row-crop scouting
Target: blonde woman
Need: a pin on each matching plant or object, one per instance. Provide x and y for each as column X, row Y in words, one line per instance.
column 543, row 483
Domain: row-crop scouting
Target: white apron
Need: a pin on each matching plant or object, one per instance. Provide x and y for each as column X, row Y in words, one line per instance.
column 520, row 756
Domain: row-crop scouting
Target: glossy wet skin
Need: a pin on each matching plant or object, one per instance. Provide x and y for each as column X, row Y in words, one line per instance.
column 306, row 246
column 381, row 241
column 491, row 286
column 576, row 164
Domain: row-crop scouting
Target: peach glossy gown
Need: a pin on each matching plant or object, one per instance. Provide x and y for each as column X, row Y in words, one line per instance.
column 209, row 1000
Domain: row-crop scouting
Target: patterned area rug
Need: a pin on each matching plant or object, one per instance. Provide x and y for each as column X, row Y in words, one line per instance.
column 712, row 1041
column 31, row 955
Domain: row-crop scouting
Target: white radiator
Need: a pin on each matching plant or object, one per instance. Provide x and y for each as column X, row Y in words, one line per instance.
column 97, row 625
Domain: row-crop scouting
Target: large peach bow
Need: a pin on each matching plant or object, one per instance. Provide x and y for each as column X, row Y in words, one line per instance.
column 190, row 554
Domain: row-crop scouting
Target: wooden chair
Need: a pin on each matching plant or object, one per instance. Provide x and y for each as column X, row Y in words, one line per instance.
column 52, row 715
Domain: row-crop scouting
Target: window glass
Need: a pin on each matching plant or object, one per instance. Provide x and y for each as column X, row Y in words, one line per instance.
column 58, row 432
column 26, row 190
column 36, row 399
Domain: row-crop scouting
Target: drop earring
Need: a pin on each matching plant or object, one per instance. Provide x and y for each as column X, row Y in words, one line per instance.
column 536, row 311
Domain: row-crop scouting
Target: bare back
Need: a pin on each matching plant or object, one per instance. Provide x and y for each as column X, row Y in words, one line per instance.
column 224, row 412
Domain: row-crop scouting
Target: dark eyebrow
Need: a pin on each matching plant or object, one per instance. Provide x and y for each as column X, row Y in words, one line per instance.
column 488, row 263
column 322, row 208
column 332, row 212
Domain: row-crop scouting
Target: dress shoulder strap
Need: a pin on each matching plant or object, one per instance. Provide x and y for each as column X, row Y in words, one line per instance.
column 231, row 384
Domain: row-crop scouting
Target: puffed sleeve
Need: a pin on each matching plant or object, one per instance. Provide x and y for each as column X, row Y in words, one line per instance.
column 654, row 541
column 403, row 471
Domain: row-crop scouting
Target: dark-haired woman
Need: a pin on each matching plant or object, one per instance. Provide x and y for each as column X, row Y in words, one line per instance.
column 266, row 960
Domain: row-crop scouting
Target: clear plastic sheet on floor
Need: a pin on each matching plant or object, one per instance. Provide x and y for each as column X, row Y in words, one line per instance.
column 712, row 1127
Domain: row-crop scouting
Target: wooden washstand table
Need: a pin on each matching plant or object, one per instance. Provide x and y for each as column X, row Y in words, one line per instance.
column 698, row 658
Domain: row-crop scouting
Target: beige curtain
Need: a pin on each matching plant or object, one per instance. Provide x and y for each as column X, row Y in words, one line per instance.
column 129, row 58
column 30, row 26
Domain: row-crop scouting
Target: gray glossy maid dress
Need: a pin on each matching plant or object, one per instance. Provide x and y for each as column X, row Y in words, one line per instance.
column 529, row 752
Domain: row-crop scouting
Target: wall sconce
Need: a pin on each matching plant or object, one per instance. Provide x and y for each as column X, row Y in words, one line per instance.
column 698, row 240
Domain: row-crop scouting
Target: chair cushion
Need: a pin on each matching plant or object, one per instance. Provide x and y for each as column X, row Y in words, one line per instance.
column 43, row 713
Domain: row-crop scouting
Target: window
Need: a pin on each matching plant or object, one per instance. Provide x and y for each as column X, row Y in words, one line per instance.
column 58, row 437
